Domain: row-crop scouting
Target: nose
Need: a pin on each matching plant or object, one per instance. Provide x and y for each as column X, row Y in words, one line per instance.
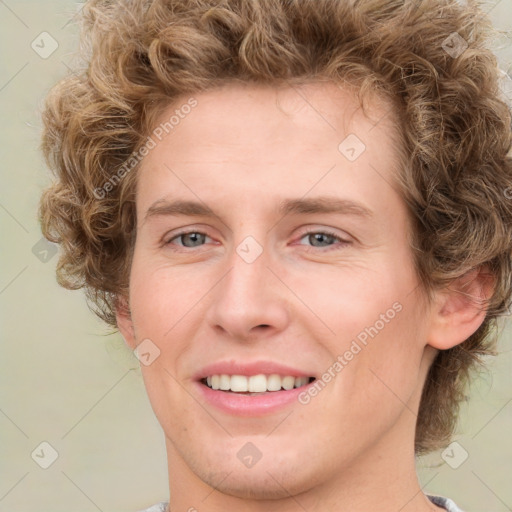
column 249, row 301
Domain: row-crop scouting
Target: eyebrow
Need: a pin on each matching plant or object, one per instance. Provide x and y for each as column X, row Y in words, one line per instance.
column 322, row 204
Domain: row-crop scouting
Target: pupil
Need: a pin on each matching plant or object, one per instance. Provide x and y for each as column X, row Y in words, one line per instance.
column 317, row 237
column 195, row 237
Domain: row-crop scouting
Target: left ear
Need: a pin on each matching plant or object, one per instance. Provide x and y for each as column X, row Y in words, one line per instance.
column 460, row 308
column 124, row 322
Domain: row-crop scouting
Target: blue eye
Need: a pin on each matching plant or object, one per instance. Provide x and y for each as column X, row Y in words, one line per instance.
column 316, row 239
column 195, row 238
column 323, row 239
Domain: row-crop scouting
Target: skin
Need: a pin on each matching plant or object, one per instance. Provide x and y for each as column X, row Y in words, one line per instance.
column 301, row 302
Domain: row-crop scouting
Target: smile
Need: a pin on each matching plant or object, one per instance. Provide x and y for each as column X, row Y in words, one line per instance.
column 256, row 384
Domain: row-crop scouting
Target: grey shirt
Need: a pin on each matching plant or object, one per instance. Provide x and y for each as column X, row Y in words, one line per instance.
column 446, row 503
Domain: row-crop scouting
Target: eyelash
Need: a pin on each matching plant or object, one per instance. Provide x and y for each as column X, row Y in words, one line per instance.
column 342, row 242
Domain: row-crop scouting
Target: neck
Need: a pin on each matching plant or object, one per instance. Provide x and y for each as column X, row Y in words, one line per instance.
column 383, row 478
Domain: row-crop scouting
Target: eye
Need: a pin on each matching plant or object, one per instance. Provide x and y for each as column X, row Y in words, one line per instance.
column 188, row 239
column 318, row 239
column 324, row 238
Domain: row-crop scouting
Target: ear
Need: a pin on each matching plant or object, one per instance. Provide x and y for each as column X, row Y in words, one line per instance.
column 124, row 322
column 460, row 308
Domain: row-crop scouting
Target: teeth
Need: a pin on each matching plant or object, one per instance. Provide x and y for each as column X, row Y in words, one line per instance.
column 273, row 382
column 288, row 382
column 239, row 383
column 255, row 383
column 225, row 382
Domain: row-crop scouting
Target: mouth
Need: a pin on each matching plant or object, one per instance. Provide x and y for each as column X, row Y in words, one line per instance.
column 252, row 388
column 255, row 385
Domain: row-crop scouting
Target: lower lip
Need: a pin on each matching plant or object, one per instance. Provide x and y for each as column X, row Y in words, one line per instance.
column 239, row 404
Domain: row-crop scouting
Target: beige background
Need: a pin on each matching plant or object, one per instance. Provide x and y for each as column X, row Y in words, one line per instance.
column 66, row 381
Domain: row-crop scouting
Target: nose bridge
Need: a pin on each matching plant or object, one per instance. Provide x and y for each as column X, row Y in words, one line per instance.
column 248, row 277
column 249, row 295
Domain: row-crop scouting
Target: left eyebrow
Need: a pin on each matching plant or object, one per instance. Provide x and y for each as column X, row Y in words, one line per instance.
column 321, row 204
column 324, row 204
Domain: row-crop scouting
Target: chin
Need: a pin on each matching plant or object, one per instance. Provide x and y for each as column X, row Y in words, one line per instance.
column 264, row 483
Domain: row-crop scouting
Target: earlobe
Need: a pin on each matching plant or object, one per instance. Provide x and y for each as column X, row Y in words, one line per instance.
column 460, row 309
column 124, row 322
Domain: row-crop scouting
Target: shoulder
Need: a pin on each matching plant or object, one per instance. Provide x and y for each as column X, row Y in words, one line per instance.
column 159, row 507
column 446, row 503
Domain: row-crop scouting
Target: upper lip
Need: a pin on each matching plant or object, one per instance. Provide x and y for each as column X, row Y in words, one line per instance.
column 249, row 368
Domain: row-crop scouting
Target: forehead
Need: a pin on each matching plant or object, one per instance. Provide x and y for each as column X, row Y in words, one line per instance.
column 317, row 106
column 268, row 141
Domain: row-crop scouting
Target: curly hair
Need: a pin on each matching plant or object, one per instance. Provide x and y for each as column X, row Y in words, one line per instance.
column 432, row 59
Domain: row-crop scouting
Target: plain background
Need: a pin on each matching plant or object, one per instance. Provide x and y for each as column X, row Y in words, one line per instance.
column 67, row 382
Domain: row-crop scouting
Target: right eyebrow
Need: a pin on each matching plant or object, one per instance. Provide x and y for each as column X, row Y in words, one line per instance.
column 191, row 208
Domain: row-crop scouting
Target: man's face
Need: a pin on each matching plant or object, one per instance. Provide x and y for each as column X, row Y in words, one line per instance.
column 302, row 270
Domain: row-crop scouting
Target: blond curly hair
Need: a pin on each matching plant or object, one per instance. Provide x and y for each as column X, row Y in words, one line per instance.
column 430, row 58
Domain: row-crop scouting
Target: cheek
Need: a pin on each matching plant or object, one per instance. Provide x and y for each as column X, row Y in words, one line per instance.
column 386, row 373
column 378, row 326
column 355, row 300
column 162, row 297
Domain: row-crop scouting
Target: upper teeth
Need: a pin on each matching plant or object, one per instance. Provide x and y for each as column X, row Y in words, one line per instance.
column 255, row 383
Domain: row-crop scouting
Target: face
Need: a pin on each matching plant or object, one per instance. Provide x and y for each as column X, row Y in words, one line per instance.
column 270, row 241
